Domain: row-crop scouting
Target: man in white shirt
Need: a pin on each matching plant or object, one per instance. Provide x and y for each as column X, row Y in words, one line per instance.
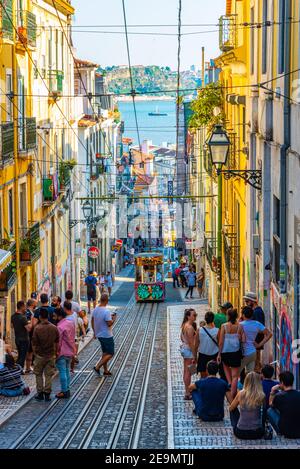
column 102, row 322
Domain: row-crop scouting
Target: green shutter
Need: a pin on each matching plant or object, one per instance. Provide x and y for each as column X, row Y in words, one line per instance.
column 48, row 190
column 7, row 20
column 31, row 28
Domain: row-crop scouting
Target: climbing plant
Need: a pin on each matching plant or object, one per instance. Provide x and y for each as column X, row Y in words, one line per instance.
column 203, row 107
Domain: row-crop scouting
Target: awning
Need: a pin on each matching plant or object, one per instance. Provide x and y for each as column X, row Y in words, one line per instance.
column 5, row 259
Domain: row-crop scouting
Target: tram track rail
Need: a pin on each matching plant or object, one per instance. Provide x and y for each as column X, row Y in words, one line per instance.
column 118, row 328
column 134, row 396
column 66, row 420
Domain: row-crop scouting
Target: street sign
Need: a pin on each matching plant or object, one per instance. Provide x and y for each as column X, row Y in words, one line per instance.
column 93, row 252
column 119, row 242
column 116, row 248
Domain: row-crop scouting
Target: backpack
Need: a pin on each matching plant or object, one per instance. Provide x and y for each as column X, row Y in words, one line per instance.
column 90, row 285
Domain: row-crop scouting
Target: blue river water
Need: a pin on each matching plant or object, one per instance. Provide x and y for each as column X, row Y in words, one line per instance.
column 159, row 129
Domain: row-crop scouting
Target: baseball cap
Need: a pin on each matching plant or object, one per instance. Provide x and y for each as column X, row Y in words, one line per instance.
column 226, row 305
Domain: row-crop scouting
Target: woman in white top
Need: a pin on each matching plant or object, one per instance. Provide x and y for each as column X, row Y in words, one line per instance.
column 231, row 336
column 206, row 342
column 188, row 331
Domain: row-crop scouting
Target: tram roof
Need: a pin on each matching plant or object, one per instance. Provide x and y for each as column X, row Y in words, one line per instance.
column 149, row 254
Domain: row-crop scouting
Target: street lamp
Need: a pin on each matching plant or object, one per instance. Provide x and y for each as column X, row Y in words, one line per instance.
column 219, row 145
column 87, row 210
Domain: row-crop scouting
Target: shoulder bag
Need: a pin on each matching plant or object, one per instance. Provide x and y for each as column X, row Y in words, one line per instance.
column 214, row 340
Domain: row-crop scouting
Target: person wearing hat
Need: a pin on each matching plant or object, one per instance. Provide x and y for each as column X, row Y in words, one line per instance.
column 221, row 317
column 250, row 299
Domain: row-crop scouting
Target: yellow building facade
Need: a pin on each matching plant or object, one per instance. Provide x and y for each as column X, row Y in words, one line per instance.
column 27, row 208
column 232, row 193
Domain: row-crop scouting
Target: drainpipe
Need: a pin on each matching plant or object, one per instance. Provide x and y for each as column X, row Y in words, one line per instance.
column 284, row 150
column 219, row 238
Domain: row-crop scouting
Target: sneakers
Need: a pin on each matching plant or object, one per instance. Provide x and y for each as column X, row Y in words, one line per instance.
column 39, row 396
column 47, row 396
column 107, row 373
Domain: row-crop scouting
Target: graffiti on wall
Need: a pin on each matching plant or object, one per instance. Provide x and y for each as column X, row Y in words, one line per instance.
column 286, row 339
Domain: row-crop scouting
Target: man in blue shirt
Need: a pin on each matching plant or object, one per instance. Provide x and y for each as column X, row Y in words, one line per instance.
column 91, row 282
column 208, row 395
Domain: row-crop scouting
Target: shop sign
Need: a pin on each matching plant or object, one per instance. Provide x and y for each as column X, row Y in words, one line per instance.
column 93, row 252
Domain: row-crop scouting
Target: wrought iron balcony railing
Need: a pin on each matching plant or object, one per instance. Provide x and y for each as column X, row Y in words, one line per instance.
column 8, row 277
column 227, row 33
column 50, row 189
column 30, row 245
column 232, row 258
column 6, row 142
column 210, row 247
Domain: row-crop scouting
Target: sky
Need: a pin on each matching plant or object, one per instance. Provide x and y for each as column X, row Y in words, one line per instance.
column 110, row 49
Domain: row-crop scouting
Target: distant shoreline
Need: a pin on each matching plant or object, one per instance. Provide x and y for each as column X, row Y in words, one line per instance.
column 145, row 98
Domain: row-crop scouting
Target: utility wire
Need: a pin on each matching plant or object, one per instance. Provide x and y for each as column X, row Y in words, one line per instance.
column 131, row 77
column 178, row 77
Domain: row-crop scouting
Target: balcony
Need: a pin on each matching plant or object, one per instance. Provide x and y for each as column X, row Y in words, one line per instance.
column 6, row 16
column 56, row 78
column 27, row 29
column 50, row 190
column 27, row 135
column 210, row 247
column 6, row 142
column 8, row 277
column 227, row 33
column 65, row 170
column 232, row 259
column 30, row 249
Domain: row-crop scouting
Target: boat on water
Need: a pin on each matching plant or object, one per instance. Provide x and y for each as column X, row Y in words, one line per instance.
column 157, row 113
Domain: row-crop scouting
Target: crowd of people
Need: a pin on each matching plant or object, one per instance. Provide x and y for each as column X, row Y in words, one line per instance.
column 226, row 351
column 47, row 337
column 185, row 275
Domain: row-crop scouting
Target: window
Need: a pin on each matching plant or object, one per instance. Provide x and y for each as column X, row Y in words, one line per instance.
column 10, row 212
column 276, row 238
column 265, row 37
column 281, row 33
column 9, row 105
column 244, row 125
column 276, row 216
column 23, row 206
column 252, row 37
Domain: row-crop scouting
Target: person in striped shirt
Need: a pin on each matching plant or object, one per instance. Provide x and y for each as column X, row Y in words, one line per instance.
column 11, row 383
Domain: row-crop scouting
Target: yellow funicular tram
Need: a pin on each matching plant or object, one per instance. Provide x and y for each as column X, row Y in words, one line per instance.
column 149, row 277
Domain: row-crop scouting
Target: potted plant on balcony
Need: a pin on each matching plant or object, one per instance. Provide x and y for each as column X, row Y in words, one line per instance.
column 65, row 168
column 25, row 249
